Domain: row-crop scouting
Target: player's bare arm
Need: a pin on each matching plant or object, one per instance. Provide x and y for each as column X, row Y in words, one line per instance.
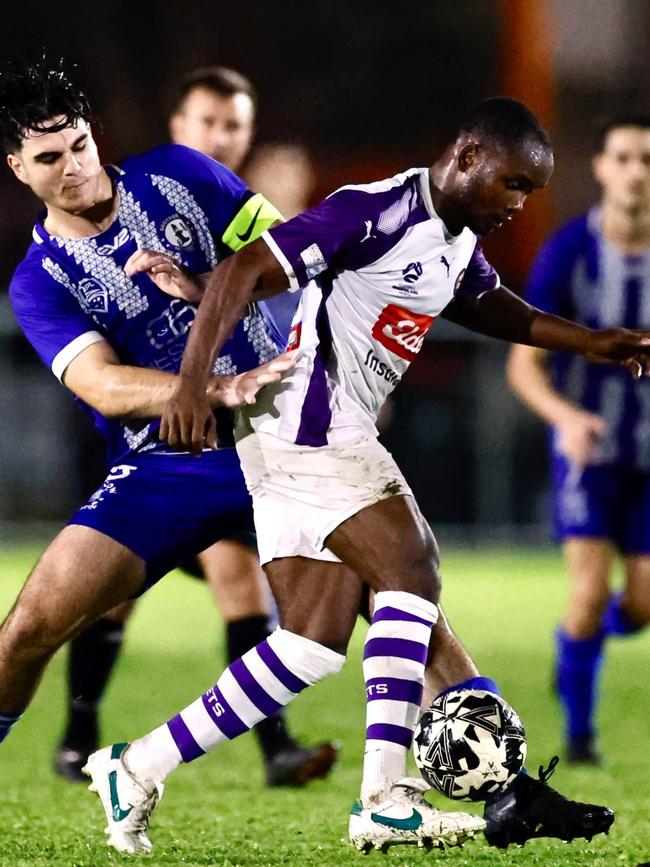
column 502, row 314
column 580, row 431
column 251, row 274
column 122, row 391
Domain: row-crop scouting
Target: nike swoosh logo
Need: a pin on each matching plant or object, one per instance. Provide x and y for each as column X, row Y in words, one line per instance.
column 249, row 231
column 411, row 823
column 118, row 812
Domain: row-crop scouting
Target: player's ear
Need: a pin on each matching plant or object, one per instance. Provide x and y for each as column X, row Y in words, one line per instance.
column 598, row 168
column 467, row 156
column 175, row 126
column 16, row 166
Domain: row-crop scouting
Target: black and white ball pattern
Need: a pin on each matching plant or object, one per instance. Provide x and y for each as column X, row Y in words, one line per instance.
column 469, row 744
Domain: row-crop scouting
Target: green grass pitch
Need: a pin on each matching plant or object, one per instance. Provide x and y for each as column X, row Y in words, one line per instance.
column 217, row 811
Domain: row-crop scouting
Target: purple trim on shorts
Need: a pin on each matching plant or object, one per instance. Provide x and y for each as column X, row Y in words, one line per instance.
column 260, row 698
column 316, row 415
column 222, row 715
column 397, row 689
column 184, row 739
column 387, row 732
column 286, row 677
column 387, row 612
column 401, row 648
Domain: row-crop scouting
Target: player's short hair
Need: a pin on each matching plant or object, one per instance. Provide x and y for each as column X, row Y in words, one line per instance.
column 31, row 94
column 504, row 121
column 221, row 80
column 637, row 120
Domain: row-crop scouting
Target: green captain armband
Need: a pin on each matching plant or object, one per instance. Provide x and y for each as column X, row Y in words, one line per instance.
column 255, row 217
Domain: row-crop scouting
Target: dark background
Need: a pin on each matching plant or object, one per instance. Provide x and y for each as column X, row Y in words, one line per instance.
column 370, row 88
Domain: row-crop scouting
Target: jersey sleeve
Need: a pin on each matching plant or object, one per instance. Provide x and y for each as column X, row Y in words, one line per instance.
column 479, row 277
column 50, row 318
column 235, row 215
column 321, row 238
column 548, row 279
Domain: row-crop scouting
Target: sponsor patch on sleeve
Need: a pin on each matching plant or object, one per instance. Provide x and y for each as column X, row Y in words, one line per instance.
column 314, row 261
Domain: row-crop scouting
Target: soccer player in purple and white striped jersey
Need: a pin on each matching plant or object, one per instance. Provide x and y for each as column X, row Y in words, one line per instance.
column 376, row 265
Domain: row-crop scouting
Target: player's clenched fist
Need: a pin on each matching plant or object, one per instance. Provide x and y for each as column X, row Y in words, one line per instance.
column 188, row 421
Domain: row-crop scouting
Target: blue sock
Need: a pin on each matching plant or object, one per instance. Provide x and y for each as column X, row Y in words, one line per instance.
column 578, row 666
column 616, row 621
column 485, row 683
column 6, row 723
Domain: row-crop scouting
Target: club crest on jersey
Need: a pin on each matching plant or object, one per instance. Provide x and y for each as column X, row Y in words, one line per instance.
column 92, row 295
column 177, row 232
column 401, row 331
column 411, row 274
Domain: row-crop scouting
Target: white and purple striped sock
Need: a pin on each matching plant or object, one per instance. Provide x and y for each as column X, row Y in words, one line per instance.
column 254, row 687
column 394, row 658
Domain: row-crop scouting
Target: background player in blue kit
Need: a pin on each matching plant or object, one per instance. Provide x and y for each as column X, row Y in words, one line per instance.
column 596, row 270
column 215, row 114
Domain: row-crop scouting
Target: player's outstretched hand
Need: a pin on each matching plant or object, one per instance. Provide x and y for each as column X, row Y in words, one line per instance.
column 243, row 388
column 166, row 273
column 188, row 421
column 622, row 346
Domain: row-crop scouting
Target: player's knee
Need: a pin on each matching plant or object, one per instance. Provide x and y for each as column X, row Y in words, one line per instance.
column 591, row 601
column 27, row 634
column 424, row 576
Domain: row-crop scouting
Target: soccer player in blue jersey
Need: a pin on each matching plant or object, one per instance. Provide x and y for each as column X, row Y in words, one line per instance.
column 596, row 270
column 376, row 263
column 214, row 114
column 88, row 296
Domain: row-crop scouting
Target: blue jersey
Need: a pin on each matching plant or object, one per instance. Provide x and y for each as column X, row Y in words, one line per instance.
column 68, row 293
column 579, row 275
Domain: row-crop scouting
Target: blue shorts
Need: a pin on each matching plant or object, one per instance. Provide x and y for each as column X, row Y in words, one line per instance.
column 169, row 507
column 602, row 502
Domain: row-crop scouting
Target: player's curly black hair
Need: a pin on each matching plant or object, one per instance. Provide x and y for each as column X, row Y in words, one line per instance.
column 31, row 94
column 505, row 121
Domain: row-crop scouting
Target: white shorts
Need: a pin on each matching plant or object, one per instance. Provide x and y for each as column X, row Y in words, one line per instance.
column 300, row 494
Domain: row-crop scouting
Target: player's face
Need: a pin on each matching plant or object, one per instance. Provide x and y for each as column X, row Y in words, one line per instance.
column 62, row 168
column 494, row 182
column 623, row 169
column 219, row 126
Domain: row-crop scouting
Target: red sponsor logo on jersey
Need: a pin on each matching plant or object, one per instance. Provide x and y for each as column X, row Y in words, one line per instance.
column 401, row 331
column 293, row 341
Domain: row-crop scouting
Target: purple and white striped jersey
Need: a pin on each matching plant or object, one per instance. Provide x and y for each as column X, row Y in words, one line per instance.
column 377, row 266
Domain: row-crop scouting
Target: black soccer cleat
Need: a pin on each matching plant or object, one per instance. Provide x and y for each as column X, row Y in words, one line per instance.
column 582, row 751
column 68, row 762
column 298, row 765
column 531, row 808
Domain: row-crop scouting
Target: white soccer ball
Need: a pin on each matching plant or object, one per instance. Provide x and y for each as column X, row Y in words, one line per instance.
column 469, row 744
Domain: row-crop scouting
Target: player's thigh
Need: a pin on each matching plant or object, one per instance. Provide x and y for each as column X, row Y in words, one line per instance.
column 237, row 583
column 317, row 599
column 391, row 546
column 637, row 587
column 81, row 575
